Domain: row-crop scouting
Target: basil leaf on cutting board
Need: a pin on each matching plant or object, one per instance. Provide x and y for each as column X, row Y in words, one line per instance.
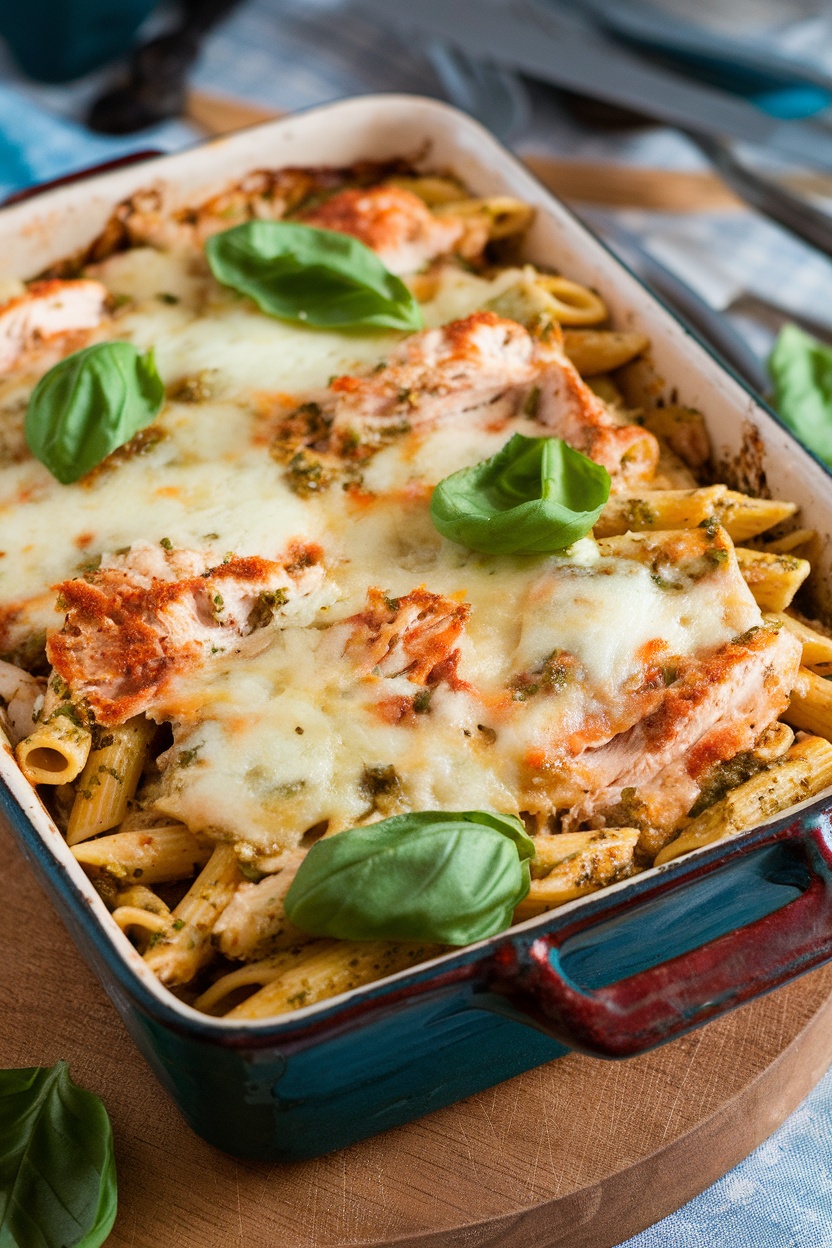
column 57, row 1169
column 801, row 369
column 446, row 876
column 535, row 496
column 89, row 405
column 310, row 276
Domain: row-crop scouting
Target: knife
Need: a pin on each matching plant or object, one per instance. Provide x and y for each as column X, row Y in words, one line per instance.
column 751, row 67
column 548, row 45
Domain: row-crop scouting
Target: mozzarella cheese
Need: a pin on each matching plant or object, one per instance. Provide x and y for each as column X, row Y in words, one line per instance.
column 310, row 719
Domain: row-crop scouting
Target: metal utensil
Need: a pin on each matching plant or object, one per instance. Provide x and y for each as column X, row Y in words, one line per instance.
column 771, row 198
column 753, row 67
column 548, row 45
column 497, row 97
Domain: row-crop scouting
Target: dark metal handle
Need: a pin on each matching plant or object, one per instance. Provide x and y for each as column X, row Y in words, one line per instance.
column 655, row 1005
column 791, row 211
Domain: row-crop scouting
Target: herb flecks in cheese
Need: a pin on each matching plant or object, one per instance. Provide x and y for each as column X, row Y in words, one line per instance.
column 422, row 685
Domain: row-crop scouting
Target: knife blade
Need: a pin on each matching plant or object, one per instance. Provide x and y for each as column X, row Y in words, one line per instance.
column 549, row 46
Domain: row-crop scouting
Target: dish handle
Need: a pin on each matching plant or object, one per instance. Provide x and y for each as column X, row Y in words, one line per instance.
column 657, row 1004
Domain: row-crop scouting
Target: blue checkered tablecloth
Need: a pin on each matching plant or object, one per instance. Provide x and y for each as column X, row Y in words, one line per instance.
column 296, row 53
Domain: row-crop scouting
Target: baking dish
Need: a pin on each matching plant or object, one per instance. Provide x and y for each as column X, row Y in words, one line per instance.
column 612, row 974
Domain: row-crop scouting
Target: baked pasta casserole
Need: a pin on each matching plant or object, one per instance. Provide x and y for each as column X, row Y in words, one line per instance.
column 331, row 527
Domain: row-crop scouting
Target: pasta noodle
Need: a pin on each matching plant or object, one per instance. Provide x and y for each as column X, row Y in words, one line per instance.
column 56, row 751
column 803, row 772
column 502, row 215
column 817, row 646
column 573, row 864
column 595, row 351
column 109, row 780
column 153, row 855
column 184, row 946
column 740, row 515
column 329, row 968
column 810, row 707
column 773, row 579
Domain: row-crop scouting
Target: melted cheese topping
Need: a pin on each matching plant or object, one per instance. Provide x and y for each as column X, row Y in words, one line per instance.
column 311, row 718
column 286, row 732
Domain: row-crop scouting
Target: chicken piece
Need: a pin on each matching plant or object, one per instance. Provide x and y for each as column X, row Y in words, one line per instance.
column 718, row 707
column 19, row 694
column 137, row 619
column 45, row 311
column 485, row 360
column 147, row 218
column 396, row 224
column 411, row 636
column 569, row 409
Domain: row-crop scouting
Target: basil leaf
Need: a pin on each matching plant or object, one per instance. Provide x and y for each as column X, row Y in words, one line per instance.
column 57, row 1169
column 801, row 369
column 535, row 496
column 316, row 277
column 445, row 876
column 90, row 404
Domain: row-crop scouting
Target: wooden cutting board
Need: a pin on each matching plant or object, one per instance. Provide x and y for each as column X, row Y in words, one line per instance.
column 581, row 1152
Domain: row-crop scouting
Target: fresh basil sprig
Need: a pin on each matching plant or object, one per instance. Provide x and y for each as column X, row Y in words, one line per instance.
column 314, row 277
column 535, row 496
column 444, row 876
column 90, row 404
column 801, row 369
column 57, row 1169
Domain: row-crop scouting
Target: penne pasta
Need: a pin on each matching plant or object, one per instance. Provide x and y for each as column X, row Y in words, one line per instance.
column 740, row 515
column 810, row 707
column 744, row 517
column 502, row 215
column 135, row 916
column 55, row 753
column 574, row 304
column 152, row 855
column 572, row 864
column 109, row 779
column 333, row 967
column 683, row 430
column 263, row 972
column 598, row 350
column 433, row 190
column 773, row 579
column 657, row 509
column 803, row 772
column 178, row 952
column 817, row 646
column 804, row 543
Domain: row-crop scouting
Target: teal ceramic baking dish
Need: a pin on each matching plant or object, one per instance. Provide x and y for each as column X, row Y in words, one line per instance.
column 612, row 974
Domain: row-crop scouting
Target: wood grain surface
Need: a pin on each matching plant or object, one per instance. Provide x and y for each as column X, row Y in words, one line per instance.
column 580, row 1152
